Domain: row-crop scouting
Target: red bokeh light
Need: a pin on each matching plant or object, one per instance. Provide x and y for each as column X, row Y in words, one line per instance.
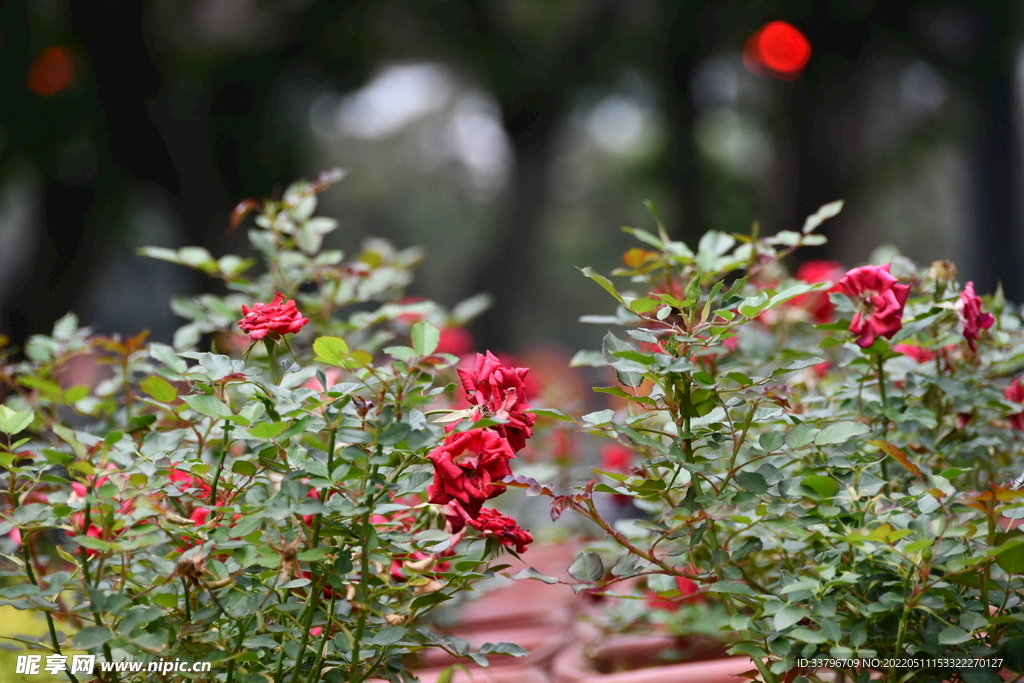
column 777, row 49
column 52, row 71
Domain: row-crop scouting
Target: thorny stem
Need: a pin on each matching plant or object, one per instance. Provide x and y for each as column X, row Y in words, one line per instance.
column 307, row 623
column 314, row 673
column 220, row 464
column 323, row 494
column 49, row 617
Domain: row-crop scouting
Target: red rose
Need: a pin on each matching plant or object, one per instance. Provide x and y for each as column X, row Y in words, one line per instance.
column 454, row 340
column 689, row 593
column 501, row 392
column 818, row 303
column 971, row 317
column 879, row 302
column 916, row 352
column 276, row 318
column 1015, row 392
column 185, row 481
column 468, row 467
column 502, row 527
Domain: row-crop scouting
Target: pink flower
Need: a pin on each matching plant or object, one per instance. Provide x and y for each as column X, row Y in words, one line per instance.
column 916, row 352
column 971, row 317
column 276, row 318
column 879, row 302
column 818, row 303
column 502, row 527
column 1015, row 392
column 468, row 468
column 501, row 392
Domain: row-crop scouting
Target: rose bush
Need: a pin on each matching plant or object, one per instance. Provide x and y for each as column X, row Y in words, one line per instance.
column 838, row 487
column 289, row 513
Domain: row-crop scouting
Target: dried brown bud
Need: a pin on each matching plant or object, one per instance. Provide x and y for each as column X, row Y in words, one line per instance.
column 420, row 566
column 431, row 586
column 942, row 271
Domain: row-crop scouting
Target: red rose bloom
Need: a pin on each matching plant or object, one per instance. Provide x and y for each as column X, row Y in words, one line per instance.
column 879, row 302
column 276, row 318
column 971, row 317
column 502, row 527
column 454, row 340
column 916, row 352
column 818, row 303
column 616, row 458
column 689, row 592
column 468, row 467
column 501, row 392
column 1015, row 392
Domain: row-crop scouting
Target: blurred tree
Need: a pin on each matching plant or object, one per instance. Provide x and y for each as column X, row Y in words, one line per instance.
column 194, row 98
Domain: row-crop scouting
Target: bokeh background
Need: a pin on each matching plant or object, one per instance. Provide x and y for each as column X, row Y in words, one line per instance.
column 511, row 138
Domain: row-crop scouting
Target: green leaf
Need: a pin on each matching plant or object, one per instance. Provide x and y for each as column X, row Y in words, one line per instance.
column 425, row 338
column 612, row 345
column 953, row 635
column 732, row 588
column 402, row 353
column 1011, row 558
column 752, row 481
column 531, row 573
column 771, row 441
column 603, row 281
column 159, row 388
column 211, row 406
column 244, row 468
column 92, row 637
column 503, row 649
column 807, row 636
column 840, row 432
column 789, row 615
column 331, row 350
column 389, row 635
column 826, row 487
column 801, row 435
column 587, row 567
column 827, row 211
column 644, row 305
column 12, row 422
column 267, row 430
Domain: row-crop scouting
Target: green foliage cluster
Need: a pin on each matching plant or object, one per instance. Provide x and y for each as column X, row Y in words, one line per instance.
column 262, row 511
column 838, row 501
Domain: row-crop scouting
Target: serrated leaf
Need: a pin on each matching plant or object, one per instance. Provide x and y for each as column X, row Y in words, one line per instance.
column 12, row 422
column 771, row 441
column 503, row 649
column 953, row 635
column 731, row 588
column 160, row 389
column 92, row 637
column 587, row 567
column 531, row 573
column 840, row 432
column 826, row 487
column 752, row 481
column 425, row 338
column 825, row 212
column 603, row 281
column 211, row 406
column 789, row 615
column 331, row 350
